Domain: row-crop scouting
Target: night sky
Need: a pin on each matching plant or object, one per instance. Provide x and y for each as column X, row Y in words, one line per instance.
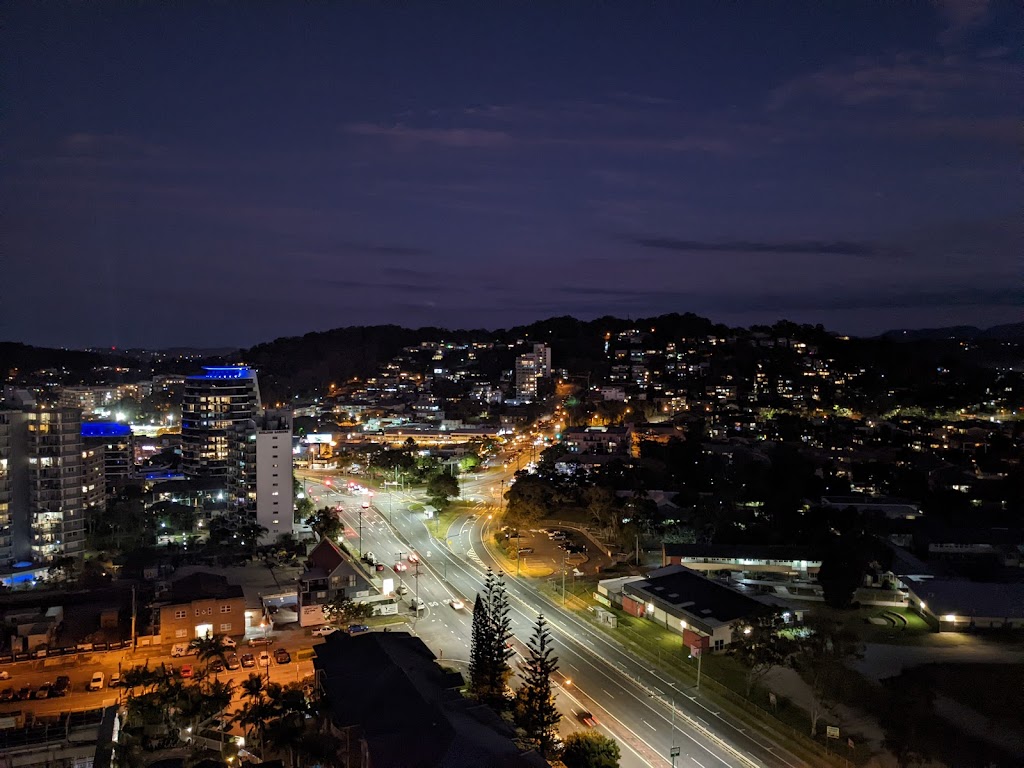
column 230, row 174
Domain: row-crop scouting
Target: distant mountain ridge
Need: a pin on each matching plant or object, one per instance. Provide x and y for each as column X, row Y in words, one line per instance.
column 1008, row 332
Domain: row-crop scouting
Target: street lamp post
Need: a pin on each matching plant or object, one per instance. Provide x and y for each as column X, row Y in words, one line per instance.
column 266, row 646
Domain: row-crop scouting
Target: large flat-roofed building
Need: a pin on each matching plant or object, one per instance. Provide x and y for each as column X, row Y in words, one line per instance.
column 701, row 610
column 755, row 559
column 118, row 449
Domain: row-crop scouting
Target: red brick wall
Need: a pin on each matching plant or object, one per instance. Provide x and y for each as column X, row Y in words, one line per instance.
column 691, row 638
column 632, row 607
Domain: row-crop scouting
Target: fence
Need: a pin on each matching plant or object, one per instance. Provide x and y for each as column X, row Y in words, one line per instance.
column 46, row 653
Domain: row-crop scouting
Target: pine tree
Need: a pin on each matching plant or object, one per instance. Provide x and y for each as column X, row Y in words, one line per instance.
column 535, row 710
column 479, row 648
column 489, row 653
column 498, row 639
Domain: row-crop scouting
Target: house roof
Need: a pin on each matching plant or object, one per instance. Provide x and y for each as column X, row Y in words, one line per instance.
column 408, row 708
column 688, row 592
column 326, row 555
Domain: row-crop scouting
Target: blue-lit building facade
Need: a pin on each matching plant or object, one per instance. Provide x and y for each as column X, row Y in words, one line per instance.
column 219, row 413
column 115, row 441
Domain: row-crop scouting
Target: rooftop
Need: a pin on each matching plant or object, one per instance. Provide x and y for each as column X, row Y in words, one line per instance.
column 437, row 726
column 204, row 586
column 743, row 551
column 689, row 591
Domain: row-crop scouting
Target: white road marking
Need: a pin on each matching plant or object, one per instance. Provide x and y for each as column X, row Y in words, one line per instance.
column 648, row 724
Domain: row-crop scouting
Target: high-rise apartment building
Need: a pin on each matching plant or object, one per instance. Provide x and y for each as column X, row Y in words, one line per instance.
column 118, row 449
column 218, row 414
column 55, row 469
column 529, row 368
column 274, row 502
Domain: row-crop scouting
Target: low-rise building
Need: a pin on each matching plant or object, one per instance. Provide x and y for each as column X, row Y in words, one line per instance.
column 329, row 573
column 597, row 439
column 684, row 601
column 776, row 560
column 199, row 605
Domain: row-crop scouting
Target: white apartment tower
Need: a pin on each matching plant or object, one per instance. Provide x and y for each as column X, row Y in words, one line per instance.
column 274, row 502
column 529, row 368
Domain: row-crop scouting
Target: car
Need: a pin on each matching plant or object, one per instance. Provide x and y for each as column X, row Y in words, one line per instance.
column 370, row 558
column 412, row 557
column 399, row 567
column 228, row 642
column 586, row 718
column 526, row 550
column 365, row 505
column 96, row 683
column 5, row 675
column 61, row 686
column 281, row 656
column 24, row 693
column 457, row 604
column 233, row 663
column 355, row 629
column 7, row 694
column 263, row 659
column 324, row 631
column 114, row 681
column 42, row 692
column 216, row 666
column 260, row 640
column 379, row 566
column 248, row 660
column 402, row 589
column 182, row 649
column 187, row 672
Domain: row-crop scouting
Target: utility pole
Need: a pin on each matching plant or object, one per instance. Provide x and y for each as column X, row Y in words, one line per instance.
column 563, row 577
column 361, row 529
column 133, row 618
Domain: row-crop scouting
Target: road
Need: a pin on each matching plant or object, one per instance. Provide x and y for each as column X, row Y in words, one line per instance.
column 632, row 703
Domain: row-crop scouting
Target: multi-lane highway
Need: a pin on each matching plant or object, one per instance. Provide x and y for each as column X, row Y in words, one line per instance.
column 632, row 702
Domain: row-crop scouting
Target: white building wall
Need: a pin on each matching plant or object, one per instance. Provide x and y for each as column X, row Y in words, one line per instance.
column 274, row 503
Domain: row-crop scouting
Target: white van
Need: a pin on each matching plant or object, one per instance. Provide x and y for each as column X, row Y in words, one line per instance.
column 96, row 684
column 182, row 649
column 418, row 604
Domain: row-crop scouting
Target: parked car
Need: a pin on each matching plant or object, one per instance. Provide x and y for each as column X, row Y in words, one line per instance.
column 5, row 675
column 248, row 660
column 216, row 666
column 114, row 681
column 43, row 691
column 324, row 631
column 233, row 662
column 61, row 686
column 228, row 642
column 187, row 672
column 526, row 550
column 7, row 694
column 263, row 659
column 281, row 656
column 182, row 649
column 260, row 640
column 24, row 693
column 96, row 683
column 355, row 629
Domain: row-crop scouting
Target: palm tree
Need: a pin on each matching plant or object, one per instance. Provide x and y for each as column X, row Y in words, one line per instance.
column 209, row 648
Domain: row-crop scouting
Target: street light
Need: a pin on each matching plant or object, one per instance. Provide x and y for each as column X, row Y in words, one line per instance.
column 266, row 646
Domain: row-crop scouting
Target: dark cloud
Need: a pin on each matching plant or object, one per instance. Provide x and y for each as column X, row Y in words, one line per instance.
column 384, row 249
column 791, row 247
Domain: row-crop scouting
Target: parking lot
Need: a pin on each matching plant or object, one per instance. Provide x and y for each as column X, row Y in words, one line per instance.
column 543, row 551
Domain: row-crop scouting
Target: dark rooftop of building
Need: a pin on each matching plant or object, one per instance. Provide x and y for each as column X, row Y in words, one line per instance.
column 204, row 586
column 409, row 709
column 689, row 591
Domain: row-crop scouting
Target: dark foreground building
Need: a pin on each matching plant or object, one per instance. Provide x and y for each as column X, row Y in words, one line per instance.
column 395, row 707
